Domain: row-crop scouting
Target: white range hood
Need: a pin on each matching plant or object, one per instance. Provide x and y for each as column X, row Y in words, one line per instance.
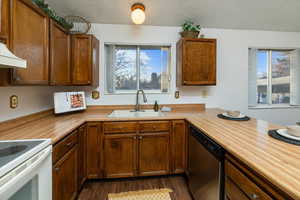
column 9, row 60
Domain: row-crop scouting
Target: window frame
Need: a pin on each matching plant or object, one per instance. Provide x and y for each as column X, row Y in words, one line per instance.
column 138, row 48
column 269, row 104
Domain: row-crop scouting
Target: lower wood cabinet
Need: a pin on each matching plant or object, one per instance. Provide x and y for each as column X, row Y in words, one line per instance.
column 154, row 154
column 179, row 146
column 82, row 147
column 242, row 183
column 65, row 176
column 93, row 154
column 120, row 155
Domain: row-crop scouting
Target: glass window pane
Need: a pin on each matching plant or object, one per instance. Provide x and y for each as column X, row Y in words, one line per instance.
column 280, row 77
column 125, row 68
column 153, row 68
column 262, row 76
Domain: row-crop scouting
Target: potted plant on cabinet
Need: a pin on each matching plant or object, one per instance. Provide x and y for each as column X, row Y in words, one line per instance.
column 190, row 30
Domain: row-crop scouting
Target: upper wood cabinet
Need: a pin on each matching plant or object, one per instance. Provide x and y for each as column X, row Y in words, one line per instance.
column 85, row 60
column 196, row 62
column 4, row 20
column 29, row 39
column 60, row 55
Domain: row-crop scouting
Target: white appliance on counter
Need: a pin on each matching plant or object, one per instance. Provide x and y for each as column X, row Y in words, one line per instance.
column 69, row 101
column 26, row 170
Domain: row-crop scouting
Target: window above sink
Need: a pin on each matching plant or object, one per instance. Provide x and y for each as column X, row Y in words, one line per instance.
column 133, row 67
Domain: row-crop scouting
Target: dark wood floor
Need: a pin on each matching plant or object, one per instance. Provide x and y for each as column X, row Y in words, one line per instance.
column 98, row 190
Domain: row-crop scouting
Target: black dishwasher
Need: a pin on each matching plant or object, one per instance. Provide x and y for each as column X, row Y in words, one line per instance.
column 206, row 167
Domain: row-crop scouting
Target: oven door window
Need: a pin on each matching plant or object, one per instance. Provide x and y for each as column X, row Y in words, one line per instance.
column 28, row 192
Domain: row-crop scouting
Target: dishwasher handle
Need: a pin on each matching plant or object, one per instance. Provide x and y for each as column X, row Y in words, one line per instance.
column 208, row 143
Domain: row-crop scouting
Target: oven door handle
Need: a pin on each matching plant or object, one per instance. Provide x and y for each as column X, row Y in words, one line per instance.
column 21, row 173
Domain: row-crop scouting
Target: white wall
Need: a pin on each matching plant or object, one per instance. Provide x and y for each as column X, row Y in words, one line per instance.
column 231, row 91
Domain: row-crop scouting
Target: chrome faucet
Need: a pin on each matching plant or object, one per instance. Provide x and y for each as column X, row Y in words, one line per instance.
column 137, row 105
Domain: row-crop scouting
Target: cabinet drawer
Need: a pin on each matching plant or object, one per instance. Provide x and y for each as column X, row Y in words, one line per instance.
column 120, row 127
column 62, row 147
column 249, row 188
column 154, row 126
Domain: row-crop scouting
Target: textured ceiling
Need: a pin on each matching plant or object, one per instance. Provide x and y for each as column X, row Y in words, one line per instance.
column 280, row 15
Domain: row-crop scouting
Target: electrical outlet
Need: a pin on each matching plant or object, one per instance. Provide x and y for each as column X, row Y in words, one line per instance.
column 95, row 94
column 177, row 95
column 14, row 101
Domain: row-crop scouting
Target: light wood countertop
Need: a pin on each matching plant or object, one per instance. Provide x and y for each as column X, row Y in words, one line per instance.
column 277, row 161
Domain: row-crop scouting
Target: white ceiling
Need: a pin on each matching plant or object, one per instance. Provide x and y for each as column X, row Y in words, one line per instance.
column 279, row 15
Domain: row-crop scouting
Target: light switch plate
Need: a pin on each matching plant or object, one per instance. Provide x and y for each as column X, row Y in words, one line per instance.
column 14, row 101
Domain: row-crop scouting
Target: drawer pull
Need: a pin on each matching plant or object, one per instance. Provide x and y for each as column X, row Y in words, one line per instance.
column 254, row 196
column 69, row 144
column 154, row 127
column 57, row 169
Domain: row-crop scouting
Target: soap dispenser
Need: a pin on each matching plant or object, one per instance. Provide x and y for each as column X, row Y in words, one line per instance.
column 155, row 107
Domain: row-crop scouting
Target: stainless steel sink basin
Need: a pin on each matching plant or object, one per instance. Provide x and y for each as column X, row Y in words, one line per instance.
column 134, row 114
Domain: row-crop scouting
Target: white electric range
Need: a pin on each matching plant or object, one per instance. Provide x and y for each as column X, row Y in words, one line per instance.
column 26, row 170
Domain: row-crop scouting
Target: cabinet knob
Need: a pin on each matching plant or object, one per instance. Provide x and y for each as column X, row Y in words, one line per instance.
column 140, row 137
column 254, row 196
column 57, row 169
column 134, row 137
column 69, row 144
column 154, row 127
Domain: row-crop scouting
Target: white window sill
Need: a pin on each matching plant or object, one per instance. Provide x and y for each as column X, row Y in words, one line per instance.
column 280, row 106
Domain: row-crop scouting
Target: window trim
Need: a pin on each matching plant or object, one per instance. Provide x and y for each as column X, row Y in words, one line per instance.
column 138, row 47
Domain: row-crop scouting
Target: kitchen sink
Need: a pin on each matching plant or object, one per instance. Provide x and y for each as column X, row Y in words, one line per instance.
column 135, row 114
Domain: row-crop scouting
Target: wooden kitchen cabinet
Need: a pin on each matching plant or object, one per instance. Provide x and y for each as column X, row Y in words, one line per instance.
column 60, row 55
column 82, row 147
column 85, row 60
column 120, row 155
column 4, row 20
column 243, row 183
column 154, row 154
column 93, row 154
column 31, row 44
column 179, row 146
column 65, row 176
column 196, row 62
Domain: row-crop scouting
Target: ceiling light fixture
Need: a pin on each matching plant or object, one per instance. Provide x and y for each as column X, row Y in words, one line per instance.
column 138, row 13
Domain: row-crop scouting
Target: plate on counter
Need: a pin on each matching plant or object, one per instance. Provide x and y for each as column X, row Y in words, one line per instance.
column 238, row 117
column 284, row 133
column 228, row 117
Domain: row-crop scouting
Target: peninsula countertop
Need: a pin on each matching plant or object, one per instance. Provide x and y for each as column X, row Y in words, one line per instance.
column 277, row 161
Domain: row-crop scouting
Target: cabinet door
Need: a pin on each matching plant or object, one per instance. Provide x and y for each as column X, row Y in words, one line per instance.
column 4, row 19
column 154, row 158
column 179, row 146
column 120, row 155
column 93, row 155
column 30, row 40
column 81, row 59
column 199, row 62
column 82, row 136
column 65, row 176
column 60, row 55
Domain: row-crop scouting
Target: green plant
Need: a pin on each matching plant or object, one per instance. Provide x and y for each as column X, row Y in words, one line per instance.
column 51, row 13
column 190, row 26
